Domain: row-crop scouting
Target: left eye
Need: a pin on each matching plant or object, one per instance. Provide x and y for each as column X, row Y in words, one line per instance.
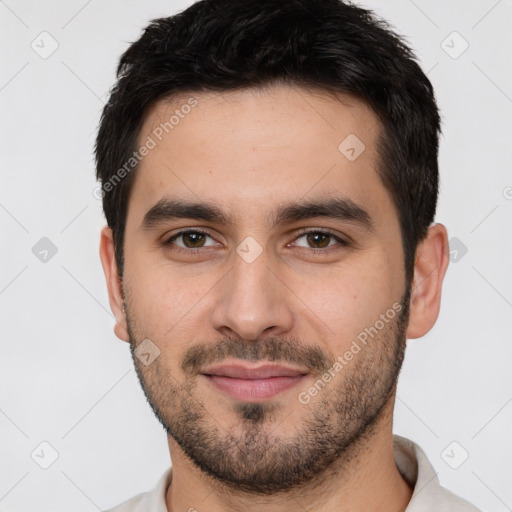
column 320, row 238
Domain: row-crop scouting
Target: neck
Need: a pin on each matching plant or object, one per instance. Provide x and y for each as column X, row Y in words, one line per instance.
column 365, row 478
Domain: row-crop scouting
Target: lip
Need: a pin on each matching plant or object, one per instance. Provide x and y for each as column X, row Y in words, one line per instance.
column 245, row 371
column 253, row 383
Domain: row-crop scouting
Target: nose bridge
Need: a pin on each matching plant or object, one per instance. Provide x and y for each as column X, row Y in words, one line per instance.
column 250, row 285
column 251, row 299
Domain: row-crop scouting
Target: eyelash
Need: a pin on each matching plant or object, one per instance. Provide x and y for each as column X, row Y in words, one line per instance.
column 342, row 243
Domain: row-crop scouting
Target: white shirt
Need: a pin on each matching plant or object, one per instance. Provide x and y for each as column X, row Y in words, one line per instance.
column 428, row 495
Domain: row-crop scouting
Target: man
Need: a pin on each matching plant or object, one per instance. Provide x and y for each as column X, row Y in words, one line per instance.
column 269, row 176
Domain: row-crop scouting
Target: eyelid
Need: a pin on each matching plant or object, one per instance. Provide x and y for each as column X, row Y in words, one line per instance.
column 343, row 240
column 184, row 231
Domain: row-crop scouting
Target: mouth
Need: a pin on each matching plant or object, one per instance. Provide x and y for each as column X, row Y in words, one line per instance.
column 253, row 383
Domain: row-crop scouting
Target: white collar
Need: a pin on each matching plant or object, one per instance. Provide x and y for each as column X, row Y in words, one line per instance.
column 411, row 461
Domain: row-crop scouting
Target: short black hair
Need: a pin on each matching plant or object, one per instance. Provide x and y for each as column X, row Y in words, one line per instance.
column 331, row 45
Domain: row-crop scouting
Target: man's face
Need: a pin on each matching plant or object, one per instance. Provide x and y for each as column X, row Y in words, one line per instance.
column 265, row 288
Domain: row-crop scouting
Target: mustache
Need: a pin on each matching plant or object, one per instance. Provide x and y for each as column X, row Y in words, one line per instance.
column 270, row 349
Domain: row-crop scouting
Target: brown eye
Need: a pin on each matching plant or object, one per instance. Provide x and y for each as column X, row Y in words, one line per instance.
column 190, row 239
column 319, row 240
column 193, row 239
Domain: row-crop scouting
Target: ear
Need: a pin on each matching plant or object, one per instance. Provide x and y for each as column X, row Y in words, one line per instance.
column 114, row 285
column 432, row 258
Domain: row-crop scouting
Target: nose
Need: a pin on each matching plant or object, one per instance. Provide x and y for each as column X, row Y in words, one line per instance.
column 252, row 301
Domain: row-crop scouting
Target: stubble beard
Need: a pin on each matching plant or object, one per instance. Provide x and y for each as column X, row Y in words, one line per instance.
column 250, row 456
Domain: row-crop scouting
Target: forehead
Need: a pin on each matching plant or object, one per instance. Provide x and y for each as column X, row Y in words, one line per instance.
column 251, row 149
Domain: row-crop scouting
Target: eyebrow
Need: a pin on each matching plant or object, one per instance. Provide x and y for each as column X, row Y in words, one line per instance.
column 341, row 208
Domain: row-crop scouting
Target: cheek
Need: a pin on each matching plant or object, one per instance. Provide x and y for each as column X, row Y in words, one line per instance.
column 347, row 300
column 165, row 300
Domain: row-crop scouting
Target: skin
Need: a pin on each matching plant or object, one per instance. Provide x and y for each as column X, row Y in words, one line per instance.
column 250, row 151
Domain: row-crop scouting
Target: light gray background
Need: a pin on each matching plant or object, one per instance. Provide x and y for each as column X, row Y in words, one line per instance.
column 68, row 381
